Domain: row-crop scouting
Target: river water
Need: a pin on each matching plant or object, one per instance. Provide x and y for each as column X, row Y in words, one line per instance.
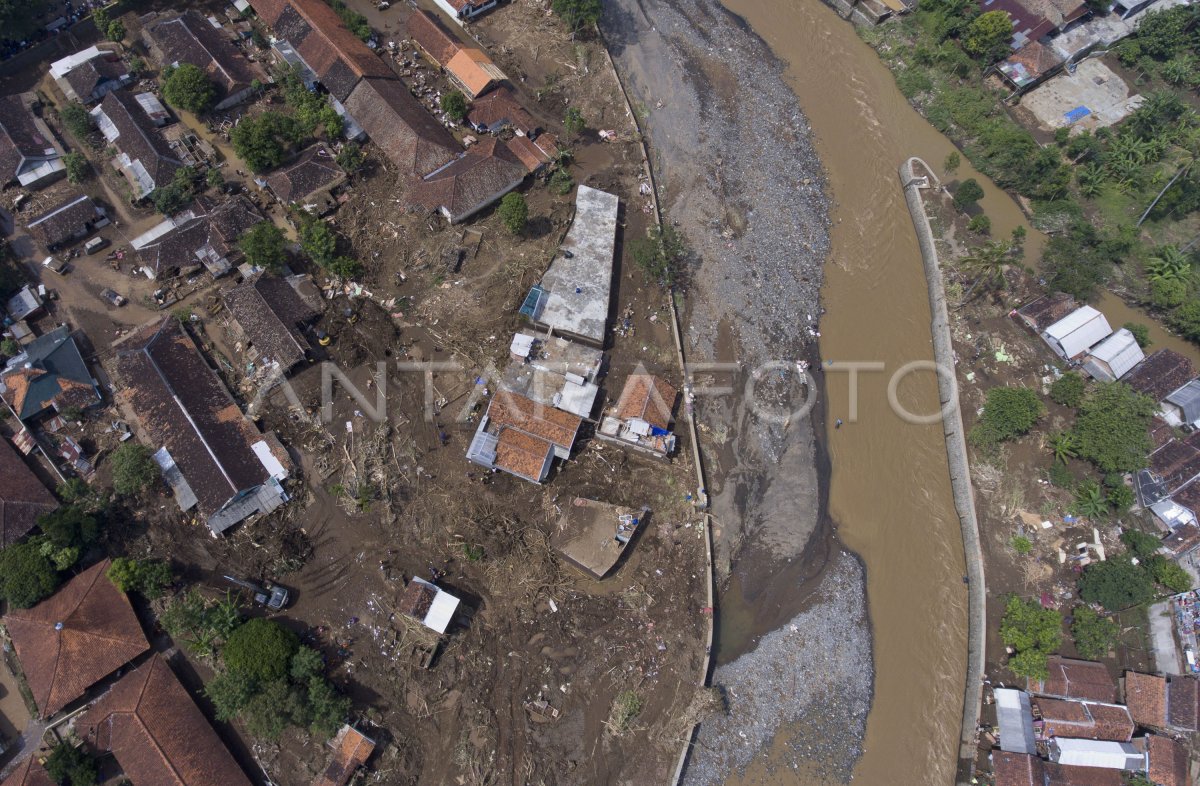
column 889, row 489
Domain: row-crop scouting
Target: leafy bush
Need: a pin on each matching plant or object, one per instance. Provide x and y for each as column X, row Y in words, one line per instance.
column 69, row 765
column 260, row 649
column 115, row 30
column 1061, row 476
column 26, row 575
column 454, row 104
column 1068, row 389
column 351, row 158
column 514, row 213
column 198, row 623
column 1121, row 498
column 1116, row 583
column 967, row 194
column 980, row 224
column 1033, row 632
column 73, row 490
column 133, row 468
column 263, row 245
column 1186, row 319
column 1090, row 500
column 69, row 526
column 78, row 168
column 355, row 22
column 561, row 182
column 1141, row 333
column 661, row 254
column 1094, row 634
column 1171, row 575
column 1021, row 544
column 988, row 35
column 187, row 86
column 1008, row 413
column 1168, row 292
column 626, row 707
column 76, row 119
column 147, row 577
column 1113, row 427
column 573, row 122
column 577, row 14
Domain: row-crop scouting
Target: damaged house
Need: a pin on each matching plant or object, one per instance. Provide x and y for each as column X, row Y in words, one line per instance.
column 67, row 222
column 522, row 437
column 190, row 38
column 642, row 416
column 29, row 156
column 130, row 124
column 90, row 75
column 205, row 235
column 48, row 377
column 269, row 316
column 215, row 460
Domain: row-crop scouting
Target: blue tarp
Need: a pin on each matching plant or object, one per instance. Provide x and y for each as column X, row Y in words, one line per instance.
column 1077, row 114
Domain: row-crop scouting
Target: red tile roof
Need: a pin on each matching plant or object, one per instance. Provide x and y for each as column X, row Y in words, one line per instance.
column 1076, row 679
column 29, row 773
column 474, row 71
column 1146, row 697
column 22, row 496
column 522, row 454
column 437, row 42
column 157, row 733
column 498, row 107
column 1168, row 761
column 1160, row 374
column 76, row 637
column 647, row 397
column 352, row 748
column 512, row 410
column 1021, row 769
column 1086, row 720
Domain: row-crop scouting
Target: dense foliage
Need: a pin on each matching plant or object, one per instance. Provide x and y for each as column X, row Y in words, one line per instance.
column 577, row 14
column 514, row 213
column 1113, row 427
column 133, row 468
column 263, row 141
column 1008, row 413
column 1033, row 632
column 70, row 766
column 454, row 104
column 26, row 575
column 147, row 577
column 263, row 245
column 1116, row 583
column 1093, row 633
column 1068, row 389
column 76, row 119
column 187, row 87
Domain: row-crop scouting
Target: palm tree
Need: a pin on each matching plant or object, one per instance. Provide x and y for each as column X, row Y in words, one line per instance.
column 987, row 262
column 1168, row 264
column 1065, row 446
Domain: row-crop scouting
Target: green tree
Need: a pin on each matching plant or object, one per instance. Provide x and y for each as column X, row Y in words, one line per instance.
column 263, row 141
column 1116, row 584
column 1186, row 319
column 1068, row 390
column 354, row 21
column 327, row 709
column 454, row 104
column 987, row 264
column 9, row 348
column 70, row 766
column 573, row 122
column 1167, row 293
column 275, row 707
column 980, row 224
column 230, row 693
column 69, row 526
column 1120, row 498
column 1008, row 413
column 133, row 468
column 967, row 194
column 26, row 575
column 214, row 178
column 318, row 241
column 115, row 31
column 78, row 168
column 77, row 120
column 260, row 649
column 1171, row 575
column 514, row 213
column 1094, row 634
column 1140, row 544
column 561, row 182
column 351, row 158
column 1033, row 632
column 263, row 245
column 1141, row 333
column 170, row 199
column 987, row 37
column 73, row 490
column 136, row 65
column 148, row 577
column 187, row 87
column 101, row 20
column 1113, row 427
column 344, row 266
column 577, row 14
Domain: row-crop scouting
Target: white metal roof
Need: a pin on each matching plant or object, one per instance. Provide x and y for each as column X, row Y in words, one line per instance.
column 69, row 63
column 441, row 611
column 1097, row 753
column 1076, row 332
column 1015, row 717
column 521, row 345
column 1120, row 351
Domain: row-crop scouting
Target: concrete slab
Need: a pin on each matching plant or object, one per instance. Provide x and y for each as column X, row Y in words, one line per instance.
column 1162, row 639
column 1093, row 85
column 592, row 535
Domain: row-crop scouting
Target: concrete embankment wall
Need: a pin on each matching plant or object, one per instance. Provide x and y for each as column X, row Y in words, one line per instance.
column 914, row 174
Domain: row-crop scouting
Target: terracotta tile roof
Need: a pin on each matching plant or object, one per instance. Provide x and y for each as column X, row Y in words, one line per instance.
column 1146, row 697
column 647, row 397
column 1187, row 537
column 487, row 171
column 352, row 748
column 410, row 137
column 22, row 496
column 1160, row 374
column 29, row 773
column 337, row 56
column 474, row 71
column 55, row 376
column 1168, row 761
column 529, row 154
column 189, row 38
column 89, row 78
column 20, row 136
column 76, row 637
column 157, row 733
column 183, row 406
column 437, row 43
column 1017, row 769
column 269, row 312
column 1070, row 775
column 512, row 410
column 498, row 108
column 1086, row 720
column 68, row 220
column 522, row 454
column 315, row 170
column 1076, row 679
column 1183, row 702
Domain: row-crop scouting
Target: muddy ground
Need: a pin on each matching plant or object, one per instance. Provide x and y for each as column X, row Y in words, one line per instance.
column 375, row 503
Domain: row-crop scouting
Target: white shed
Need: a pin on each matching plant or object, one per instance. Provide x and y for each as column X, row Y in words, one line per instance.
column 1015, row 718
column 1077, row 332
column 1097, row 753
column 1114, row 357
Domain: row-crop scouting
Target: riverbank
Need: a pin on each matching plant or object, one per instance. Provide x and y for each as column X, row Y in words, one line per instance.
column 755, row 214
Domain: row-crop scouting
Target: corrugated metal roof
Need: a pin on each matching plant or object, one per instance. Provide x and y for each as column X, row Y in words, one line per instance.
column 1187, row 398
column 1078, row 331
column 1120, row 352
column 1015, row 718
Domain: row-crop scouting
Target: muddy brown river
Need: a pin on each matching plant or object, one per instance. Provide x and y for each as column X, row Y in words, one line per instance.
column 889, row 489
